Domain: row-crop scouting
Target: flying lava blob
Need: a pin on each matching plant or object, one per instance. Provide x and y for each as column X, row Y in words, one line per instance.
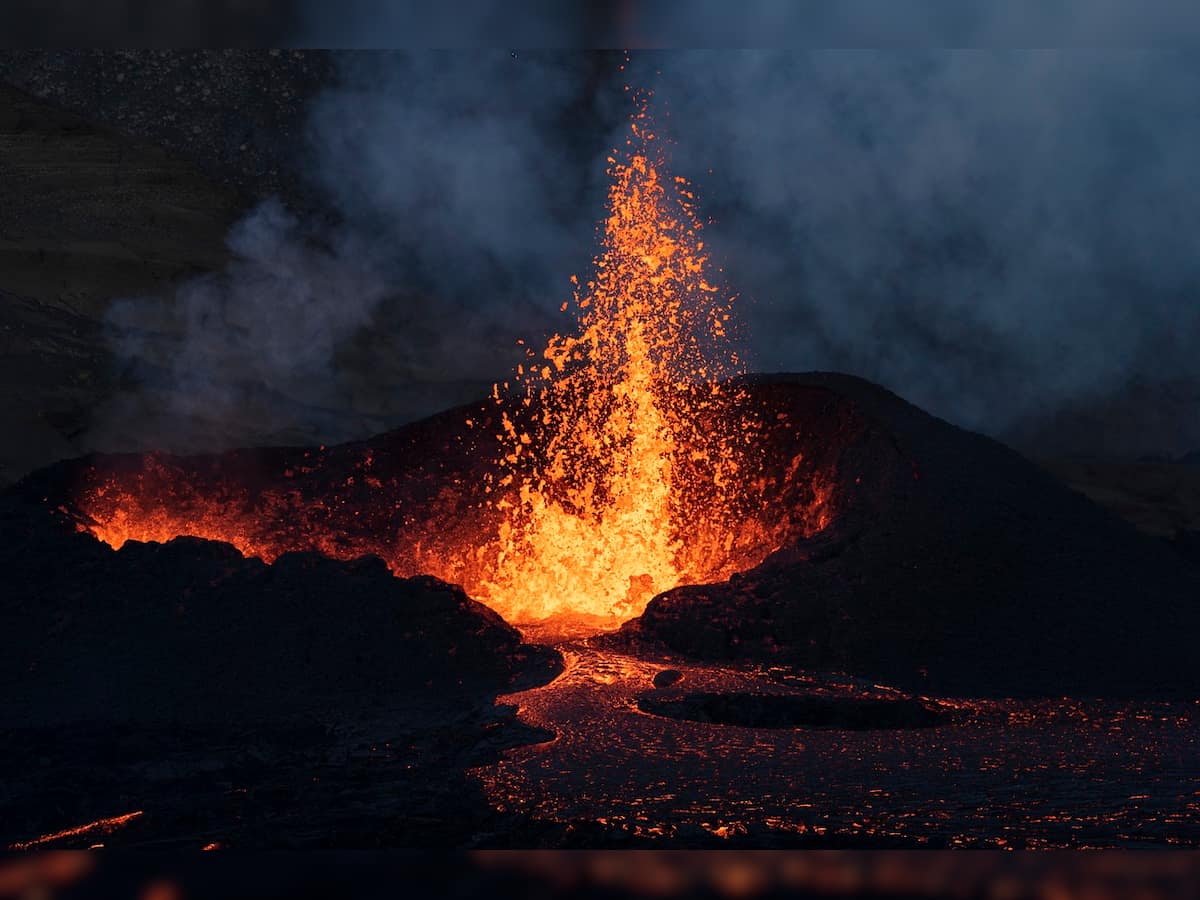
column 622, row 460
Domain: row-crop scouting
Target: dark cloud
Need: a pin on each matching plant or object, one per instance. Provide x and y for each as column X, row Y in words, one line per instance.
column 468, row 165
column 995, row 235
column 255, row 343
column 457, row 196
column 1001, row 237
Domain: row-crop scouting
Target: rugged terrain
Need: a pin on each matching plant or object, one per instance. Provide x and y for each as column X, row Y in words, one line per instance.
column 954, row 579
column 318, row 702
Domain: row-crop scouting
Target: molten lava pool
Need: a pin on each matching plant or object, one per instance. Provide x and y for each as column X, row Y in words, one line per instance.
column 420, row 499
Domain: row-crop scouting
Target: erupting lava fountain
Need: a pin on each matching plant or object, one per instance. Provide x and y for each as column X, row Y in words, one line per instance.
column 621, row 461
column 632, row 490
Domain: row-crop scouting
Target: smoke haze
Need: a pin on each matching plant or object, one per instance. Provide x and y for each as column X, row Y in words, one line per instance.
column 1004, row 238
column 996, row 236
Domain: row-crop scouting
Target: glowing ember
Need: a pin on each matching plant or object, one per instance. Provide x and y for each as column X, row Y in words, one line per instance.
column 628, row 460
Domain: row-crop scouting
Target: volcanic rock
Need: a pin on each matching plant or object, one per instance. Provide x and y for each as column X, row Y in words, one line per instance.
column 191, row 631
column 951, row 565
column 667, row 677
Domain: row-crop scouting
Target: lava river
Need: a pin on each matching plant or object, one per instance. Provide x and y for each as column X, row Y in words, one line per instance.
column 993, row 773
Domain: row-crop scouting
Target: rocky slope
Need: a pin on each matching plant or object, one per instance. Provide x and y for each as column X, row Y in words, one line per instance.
column 953, row 565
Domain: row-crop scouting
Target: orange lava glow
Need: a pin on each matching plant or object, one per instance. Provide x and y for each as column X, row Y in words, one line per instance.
column 100, row 826
column 624, row 457
column 625, row 467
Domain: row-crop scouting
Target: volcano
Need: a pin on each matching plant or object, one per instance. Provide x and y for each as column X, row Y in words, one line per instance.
column 636, row 593
column 943, row 565
column 631, row 474
column 942, row 562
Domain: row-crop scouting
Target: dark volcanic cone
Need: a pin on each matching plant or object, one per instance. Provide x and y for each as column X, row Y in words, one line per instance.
column 950, row 564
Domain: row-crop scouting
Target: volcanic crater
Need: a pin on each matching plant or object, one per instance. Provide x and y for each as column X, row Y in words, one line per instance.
column 419, row 497
column 900, row 547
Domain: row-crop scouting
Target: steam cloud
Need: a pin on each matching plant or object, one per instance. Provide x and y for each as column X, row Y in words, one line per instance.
column 257, row 341
column 1004, row 238
column 999, row 237
column 454, row 193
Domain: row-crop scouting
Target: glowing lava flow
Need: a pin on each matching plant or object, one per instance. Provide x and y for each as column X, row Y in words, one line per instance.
column 100, row 826
column 622, row 464
column 619, row 462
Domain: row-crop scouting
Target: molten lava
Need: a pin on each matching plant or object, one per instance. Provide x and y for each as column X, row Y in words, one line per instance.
column 625, row 477
column 623, row 460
